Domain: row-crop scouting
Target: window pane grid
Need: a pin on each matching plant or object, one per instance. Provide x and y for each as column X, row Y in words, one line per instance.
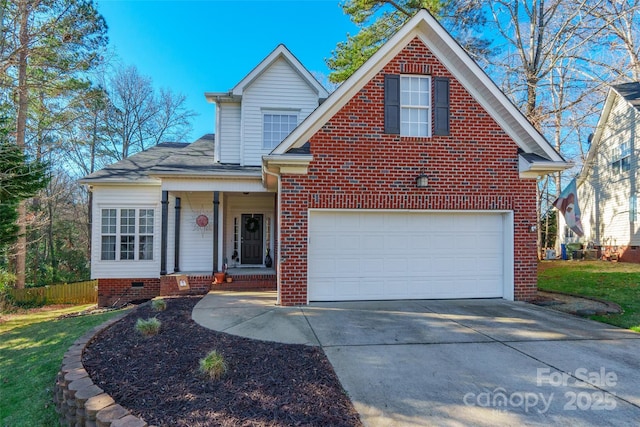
column 276, row 127
column 127, row 247
column 127, row 221
column 108, row 250
column 132, row 228
column 146, row 221
column 621, row 158
column 146, row 248
column 109, row 221
column 415, row 100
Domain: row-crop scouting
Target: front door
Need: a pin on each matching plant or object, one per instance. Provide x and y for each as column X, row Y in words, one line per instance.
column 251, row 239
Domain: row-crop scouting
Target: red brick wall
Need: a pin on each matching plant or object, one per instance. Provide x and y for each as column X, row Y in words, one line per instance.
column 119, row 291
column 356, row 165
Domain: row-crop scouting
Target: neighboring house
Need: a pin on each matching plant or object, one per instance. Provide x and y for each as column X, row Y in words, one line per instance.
column 416, row 178
column 608, row 183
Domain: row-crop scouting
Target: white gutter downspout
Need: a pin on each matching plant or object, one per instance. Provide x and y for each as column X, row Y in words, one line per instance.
column 278, row 214
column 217, row 142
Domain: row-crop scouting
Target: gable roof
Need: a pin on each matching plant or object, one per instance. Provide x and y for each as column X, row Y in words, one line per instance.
column 424, row 26
column 630, row 92
column 280, row 52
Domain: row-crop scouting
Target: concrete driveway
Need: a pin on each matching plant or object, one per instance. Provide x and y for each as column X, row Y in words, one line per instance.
column 454, row 362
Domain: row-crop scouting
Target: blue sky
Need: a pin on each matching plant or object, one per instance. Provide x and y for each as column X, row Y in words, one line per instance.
column 202, row 46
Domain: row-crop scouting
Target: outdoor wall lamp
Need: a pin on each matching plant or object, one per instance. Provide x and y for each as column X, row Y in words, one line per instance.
column 422, row 181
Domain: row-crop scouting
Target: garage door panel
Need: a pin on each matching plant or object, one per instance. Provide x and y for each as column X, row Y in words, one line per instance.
column 394, row 242
column 393, row 255
column 419, row 241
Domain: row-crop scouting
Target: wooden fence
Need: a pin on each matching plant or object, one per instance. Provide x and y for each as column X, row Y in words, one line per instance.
column 69, row 293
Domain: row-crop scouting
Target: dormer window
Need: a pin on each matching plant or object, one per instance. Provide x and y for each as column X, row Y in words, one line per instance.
column 276, row 126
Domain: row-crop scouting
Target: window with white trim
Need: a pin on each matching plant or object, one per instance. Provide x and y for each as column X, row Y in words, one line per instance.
column 145, row 231
column 415, row 106
column 276, row 126
column 621, row 158
column 127, row 234
column 633, row 208
column 109, row 232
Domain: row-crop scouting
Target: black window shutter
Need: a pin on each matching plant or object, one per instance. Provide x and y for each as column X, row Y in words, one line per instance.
column 392, row 104
column 441, row 106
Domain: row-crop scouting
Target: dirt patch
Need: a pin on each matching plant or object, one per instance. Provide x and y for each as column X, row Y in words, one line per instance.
column 267, row 384
column 574, row 304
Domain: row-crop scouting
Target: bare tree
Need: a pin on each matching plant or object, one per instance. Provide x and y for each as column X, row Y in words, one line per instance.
column 619, row 50
column 546, row 49
column 137, row 118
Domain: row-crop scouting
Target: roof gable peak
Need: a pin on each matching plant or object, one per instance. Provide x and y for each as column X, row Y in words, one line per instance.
column 424, row 26
column 280, row 52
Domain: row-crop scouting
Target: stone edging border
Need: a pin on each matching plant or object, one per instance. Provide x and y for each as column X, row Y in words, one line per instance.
column 79, row 402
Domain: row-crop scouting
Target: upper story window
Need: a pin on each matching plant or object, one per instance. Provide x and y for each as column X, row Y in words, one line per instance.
column 127, row 234
column 415, row 106
column 276, row 126
column 621, row 158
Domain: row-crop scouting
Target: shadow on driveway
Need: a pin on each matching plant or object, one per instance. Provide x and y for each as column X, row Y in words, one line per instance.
column 454, row 362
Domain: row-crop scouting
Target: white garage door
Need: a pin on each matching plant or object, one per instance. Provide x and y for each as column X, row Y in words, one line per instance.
column 377, row 255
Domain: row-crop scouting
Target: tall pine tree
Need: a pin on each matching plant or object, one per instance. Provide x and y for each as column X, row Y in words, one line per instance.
column 378, row 20
column 45, row 48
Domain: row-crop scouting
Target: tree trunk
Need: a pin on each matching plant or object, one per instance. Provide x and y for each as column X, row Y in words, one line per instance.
column 20, row 248
column 92, row 165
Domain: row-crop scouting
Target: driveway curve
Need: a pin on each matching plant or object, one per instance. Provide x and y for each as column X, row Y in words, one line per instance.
column 454, row 362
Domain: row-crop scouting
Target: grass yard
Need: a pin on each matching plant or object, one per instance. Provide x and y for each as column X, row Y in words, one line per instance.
column 32, row 345
column 612, row 281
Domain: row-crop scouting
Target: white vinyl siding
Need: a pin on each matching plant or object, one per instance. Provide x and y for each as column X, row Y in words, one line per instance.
column 229, row 133
column 605, row 195
column 279, row 87
column 115, row 199
column 415, row 106
column 196, row 243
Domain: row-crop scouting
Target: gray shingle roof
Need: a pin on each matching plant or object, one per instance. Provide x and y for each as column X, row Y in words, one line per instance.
column 136, row 167
column 169, row 158
column 630, row 92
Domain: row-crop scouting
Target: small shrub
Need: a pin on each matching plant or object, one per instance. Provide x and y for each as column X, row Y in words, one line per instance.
column 7, row 280
column 213, row 365
column 159, row 304
column 148, row 327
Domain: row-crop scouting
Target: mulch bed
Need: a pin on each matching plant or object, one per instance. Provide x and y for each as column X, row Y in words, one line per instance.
column 267, row 384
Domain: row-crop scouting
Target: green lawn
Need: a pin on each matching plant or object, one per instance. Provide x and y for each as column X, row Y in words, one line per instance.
column 31, row 349
column 612, row 281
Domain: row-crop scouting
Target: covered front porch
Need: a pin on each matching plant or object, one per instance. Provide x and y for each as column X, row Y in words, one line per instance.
column 207, row 232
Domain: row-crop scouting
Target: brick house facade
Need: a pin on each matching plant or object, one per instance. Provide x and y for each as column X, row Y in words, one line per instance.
column 357, row 165
column 415, row 179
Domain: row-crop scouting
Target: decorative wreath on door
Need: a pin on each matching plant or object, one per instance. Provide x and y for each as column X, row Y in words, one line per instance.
column 252, row 225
